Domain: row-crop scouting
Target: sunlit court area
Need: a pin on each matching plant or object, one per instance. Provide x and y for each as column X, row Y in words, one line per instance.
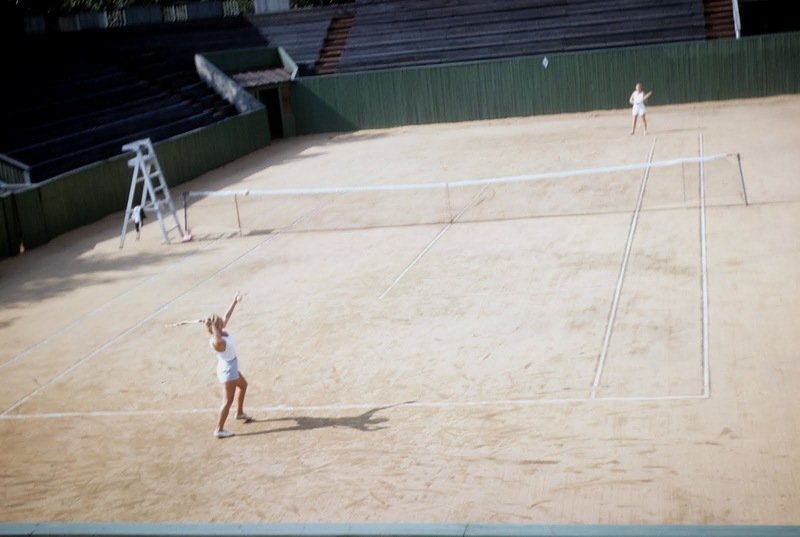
column 529, row 324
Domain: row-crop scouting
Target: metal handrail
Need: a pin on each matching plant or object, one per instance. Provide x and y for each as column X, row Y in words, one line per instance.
column 14, row 163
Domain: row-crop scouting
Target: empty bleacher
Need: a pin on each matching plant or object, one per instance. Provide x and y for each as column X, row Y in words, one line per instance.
column 401, row 33
column 76, row 99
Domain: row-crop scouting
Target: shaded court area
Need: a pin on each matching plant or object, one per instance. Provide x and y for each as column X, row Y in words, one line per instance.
column 615, row 345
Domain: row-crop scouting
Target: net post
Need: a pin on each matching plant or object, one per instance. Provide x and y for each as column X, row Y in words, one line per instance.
column 185, row 210
column 238, row 219
column 449, row 205
column 741, row 178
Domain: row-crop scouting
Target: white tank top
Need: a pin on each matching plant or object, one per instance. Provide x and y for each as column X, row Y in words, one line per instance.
column 229, row 354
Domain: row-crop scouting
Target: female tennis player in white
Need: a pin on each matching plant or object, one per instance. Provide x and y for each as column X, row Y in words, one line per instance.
column 228, row 372
column 638, row 99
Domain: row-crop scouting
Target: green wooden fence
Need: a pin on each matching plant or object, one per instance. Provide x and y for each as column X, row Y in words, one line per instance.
column 571, row 82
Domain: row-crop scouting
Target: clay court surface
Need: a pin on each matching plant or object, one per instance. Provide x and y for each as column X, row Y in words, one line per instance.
column 404, row 371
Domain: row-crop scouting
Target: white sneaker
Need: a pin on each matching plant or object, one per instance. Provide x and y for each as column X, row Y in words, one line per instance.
column 223, row 434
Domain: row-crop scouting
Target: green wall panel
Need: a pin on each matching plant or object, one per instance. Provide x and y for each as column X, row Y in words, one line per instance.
column 84, row 196
column 9, row 236
column 31, row 218
column 4, row 249
column 190, row 155
column 574, row 82
column 238, row 60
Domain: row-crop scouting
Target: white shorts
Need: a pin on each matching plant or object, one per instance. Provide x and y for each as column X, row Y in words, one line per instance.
column 638, row 110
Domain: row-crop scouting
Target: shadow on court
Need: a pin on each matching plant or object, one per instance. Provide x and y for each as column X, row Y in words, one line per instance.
column 365, row 422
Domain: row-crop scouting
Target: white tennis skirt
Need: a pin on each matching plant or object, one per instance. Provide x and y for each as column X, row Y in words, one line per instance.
column 227, row 371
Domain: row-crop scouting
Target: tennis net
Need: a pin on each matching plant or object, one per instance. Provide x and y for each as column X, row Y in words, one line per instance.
column 579, row 192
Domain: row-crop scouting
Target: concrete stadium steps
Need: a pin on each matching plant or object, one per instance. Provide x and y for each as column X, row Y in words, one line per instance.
column 719, row 19
column 334, row 44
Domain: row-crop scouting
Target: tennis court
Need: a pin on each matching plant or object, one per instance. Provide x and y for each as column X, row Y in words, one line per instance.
column 609, row 338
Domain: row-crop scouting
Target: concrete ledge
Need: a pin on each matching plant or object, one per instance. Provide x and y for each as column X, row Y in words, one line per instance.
column 225, row 86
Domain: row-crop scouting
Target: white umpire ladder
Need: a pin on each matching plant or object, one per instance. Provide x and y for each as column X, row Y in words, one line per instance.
column 147, row 170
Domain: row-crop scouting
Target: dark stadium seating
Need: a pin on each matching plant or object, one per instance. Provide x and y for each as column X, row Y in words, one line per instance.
column 76, row 98
column 48, row 165
column 390, row 34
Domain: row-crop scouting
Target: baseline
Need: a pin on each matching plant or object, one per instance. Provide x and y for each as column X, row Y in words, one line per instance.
column 371, row 529
column 357, row 406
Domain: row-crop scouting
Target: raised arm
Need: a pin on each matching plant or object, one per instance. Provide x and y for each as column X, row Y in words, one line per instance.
column 647, row 95
column 214, row 325
column 236, row 300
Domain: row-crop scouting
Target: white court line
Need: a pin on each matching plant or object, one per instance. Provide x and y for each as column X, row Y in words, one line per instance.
column 339, row 407
column 622, row 269
column 431, row 243
column 147, row 318
column 704, row 277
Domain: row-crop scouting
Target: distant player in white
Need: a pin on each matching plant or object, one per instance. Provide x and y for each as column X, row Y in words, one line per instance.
column 228, row 372
column 638, row 99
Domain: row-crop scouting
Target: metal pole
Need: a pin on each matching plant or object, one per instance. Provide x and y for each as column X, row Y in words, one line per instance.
column 185, row 211
column 741, row 178
column 449, row 206
column 236, row 201
column 737, row 21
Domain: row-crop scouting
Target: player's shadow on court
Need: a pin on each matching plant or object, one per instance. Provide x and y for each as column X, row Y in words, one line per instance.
column 364, row 422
